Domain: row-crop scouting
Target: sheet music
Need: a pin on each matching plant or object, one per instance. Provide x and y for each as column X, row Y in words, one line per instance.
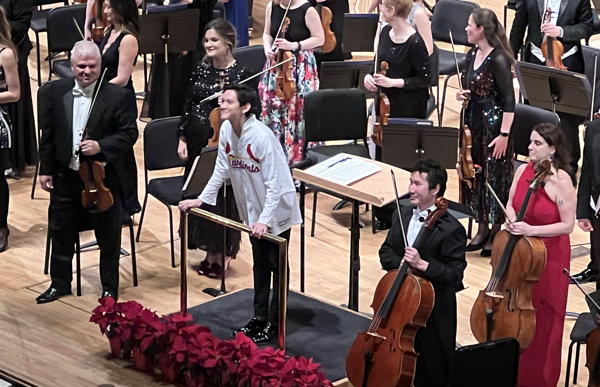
column 344, row 169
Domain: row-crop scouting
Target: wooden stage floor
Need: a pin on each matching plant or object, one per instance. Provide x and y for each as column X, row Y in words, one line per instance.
column 55, row 345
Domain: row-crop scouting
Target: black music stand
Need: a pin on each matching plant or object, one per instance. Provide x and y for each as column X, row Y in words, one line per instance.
column 555, row 90
column 344, row 74
column 359, row 31
column 164, row 32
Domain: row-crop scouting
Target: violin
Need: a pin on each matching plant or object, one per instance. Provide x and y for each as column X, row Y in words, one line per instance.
column 552, row 48
column 99, row 22
column 326, row 17
column 504, row 308
column 214, row 118
column 384, row 355
column 382, row 105
column 285, row 84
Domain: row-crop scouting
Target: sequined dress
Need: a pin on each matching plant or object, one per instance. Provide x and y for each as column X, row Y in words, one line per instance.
column 194, row 126
column 491, row 95
column 285, row 117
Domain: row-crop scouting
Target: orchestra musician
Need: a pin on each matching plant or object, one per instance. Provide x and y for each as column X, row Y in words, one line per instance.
column 588, row 193
column 550, row 216
column 338, row 9
column 10, row 91
column 441, row 261
column 285, row 116
column 111, row 132
column 218, row 68
column 488, row 88
column 255, row 162
column 571, row 21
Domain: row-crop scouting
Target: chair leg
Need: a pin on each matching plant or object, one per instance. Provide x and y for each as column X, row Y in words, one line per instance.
column 35, row 176
column 172, row 238
column 576, row 362
column 47, row 253
column 133, row 257
column 39, row 59
column 443, row 100
column 78, row 265
column 569, row 356
column 438, row 108
column 314, row 214
column 470, row 228
column 139, row 230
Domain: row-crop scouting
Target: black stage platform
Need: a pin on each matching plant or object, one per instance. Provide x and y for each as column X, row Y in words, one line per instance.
column 314, row 328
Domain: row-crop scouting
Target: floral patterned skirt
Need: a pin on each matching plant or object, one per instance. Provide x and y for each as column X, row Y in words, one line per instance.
column 285, row 117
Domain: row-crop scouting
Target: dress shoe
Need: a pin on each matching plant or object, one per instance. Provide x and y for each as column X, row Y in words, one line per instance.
column 252, row 327
column 585, row 276
column 109, row 293
column 52, row 294
column 204, row 268
column 485, row 253
column 381, row 225
column 266, row 335
column 4, row 233
column 474, row 246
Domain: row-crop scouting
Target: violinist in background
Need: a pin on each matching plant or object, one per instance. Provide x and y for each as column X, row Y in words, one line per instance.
column 285, row 115
column 406, row 83
column 588, row 195
column 112, row 131
column 89, row 16
column 119, row 47
column 338, row 9
column 550, row 216
column 218, row 68
column 571, row 21
column 488, row 88
column 441, row 261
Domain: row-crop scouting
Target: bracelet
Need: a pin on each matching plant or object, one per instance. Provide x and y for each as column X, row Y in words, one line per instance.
column 504, row 134
column 298, row 48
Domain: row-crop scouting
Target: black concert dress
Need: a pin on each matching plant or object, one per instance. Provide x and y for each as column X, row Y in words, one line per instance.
column 110, row 61
column 195, row 128
column 492, row 94
column 408, row 60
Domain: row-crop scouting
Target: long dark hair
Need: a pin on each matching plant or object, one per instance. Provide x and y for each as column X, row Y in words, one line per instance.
column 5, row 34
column 224, row 29
column 555, row 136
column 127, row 11
column 493, row 31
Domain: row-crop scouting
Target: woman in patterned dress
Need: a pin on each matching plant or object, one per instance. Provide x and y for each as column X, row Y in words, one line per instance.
column 488, row 87
column 285, row 116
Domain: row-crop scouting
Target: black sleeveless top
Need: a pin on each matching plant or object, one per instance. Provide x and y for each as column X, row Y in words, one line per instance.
column 110, row 58
column 297, row 31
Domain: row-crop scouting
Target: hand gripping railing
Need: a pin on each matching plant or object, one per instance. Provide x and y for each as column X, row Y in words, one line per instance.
column 283, row 262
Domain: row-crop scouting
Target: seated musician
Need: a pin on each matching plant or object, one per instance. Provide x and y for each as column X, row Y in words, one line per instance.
column 440, row 259
column 252, row 157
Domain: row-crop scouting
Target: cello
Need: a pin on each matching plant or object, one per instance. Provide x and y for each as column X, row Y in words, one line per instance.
column 552, row 48
column 504, row 308
column 384, row 355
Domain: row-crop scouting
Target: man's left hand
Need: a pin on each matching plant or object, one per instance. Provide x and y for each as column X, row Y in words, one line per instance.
column 89, row 147
column 258, row 229
column 550, row 30
column 413, row 258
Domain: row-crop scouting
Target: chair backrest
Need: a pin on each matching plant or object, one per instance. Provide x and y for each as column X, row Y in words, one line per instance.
column 39, row 3
column 590, row 55
column 434, row 66
column 253, row 59
column 359, row 31
column 160, row 144
column 526, row 117
column 62, row 33
column 335, row 114
column 451, row 15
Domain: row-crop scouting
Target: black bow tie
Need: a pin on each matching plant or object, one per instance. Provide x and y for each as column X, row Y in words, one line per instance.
column 421, row 214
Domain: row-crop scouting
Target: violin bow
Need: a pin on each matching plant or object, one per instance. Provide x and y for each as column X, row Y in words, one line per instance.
column 489, row 187
column 89, row 112
column 568, row 274
column 287, row 8
column 219, row 93
column 455, row 61
column 78, row 29
column 594, row 87
column 398, row 209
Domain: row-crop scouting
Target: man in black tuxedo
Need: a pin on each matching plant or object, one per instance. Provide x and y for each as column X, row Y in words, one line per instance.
column 571, row 21
column 588, row 206
column 438, row 256
column 111, row 132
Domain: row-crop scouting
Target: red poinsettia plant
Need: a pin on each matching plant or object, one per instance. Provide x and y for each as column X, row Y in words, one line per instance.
column 191, row 353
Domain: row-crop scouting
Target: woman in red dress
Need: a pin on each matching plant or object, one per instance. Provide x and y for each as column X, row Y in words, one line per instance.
column 550, row 216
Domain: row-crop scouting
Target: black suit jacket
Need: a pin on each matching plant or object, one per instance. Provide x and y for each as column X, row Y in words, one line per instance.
column 574, row 16
column 445, row 252
column 589, row 183
column 112, row 123
column 19, row 13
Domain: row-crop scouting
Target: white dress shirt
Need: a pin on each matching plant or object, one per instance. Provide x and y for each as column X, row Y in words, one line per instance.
column 416, row 222
column 82, row 100
column 554, row 6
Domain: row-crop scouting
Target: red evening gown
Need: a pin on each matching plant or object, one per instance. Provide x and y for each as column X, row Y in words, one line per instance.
column 539, row 365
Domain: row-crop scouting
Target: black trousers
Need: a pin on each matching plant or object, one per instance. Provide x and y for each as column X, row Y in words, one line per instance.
column 67, row 217
column 265, row 255
column 594, row 264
